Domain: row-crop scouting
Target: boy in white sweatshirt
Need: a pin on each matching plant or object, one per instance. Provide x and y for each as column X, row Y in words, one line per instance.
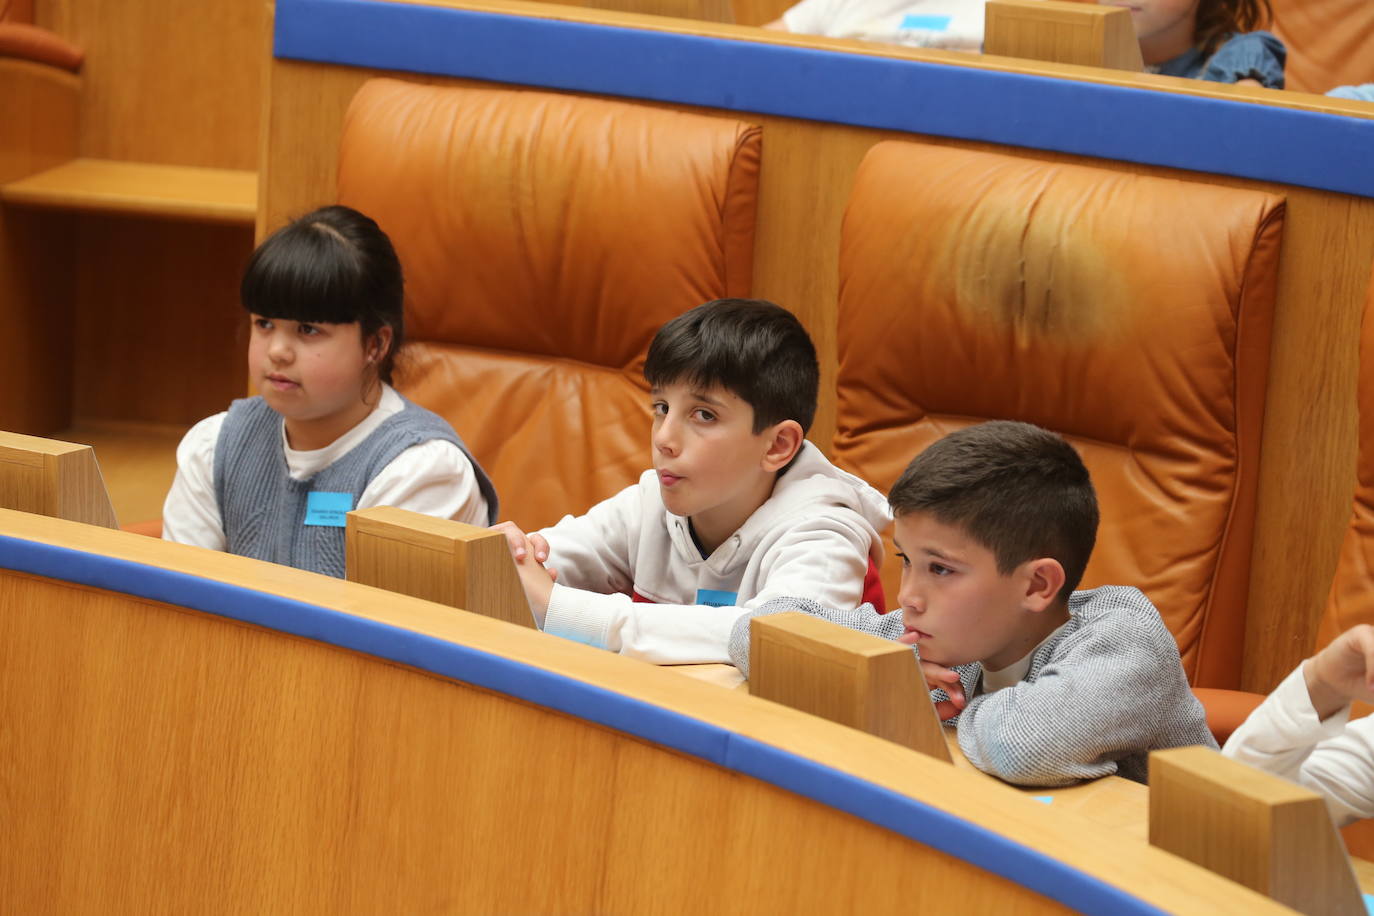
column 738, row 508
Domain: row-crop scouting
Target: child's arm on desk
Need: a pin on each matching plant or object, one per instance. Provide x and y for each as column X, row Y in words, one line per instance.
column 1109, row 692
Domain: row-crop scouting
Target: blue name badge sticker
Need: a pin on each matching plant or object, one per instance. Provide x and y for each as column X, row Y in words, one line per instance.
column 328, row 509
column 927, row 23
column 713, row 598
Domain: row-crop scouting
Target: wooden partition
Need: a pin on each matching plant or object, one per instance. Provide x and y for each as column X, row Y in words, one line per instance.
column 209, row 733
column 1064, row 32
column 845, row 676
column 58, row 479
column 435, row 559
column 816, row 133
column 1252, row 827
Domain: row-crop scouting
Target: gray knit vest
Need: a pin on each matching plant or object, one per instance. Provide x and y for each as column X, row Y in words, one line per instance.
column 263, row 509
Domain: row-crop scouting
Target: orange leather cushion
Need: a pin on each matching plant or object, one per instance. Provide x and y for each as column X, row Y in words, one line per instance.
column 1131, row 314
column 29, row 42
column 1330, row 42
column 545, row 239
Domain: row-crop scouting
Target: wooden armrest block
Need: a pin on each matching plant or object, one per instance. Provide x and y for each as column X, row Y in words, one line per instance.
column 57, row 479
column 1062, row 32
column 438, row 560
column 845, row 676
column 1261, row 831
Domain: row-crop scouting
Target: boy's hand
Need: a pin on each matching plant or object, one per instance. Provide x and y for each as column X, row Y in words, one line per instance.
column 946, row 679
column 1342, row 672
column 537, row 582
column 519, row 542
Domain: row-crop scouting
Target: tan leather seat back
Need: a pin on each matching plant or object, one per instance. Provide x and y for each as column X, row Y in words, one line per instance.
column 545, row 239
column 1131, row 314
column 1330, row 42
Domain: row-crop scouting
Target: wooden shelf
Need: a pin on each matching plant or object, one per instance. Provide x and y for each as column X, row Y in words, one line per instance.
column 178, row 192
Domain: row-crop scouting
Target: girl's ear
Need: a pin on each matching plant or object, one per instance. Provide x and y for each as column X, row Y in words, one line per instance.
column 378, row 345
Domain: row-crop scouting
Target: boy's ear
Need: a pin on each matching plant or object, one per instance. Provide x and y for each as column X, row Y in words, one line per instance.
column 787, row 439
column 1044, row 578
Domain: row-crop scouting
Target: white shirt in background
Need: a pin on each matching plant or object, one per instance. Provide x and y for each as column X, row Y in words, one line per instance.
column 1333, row 757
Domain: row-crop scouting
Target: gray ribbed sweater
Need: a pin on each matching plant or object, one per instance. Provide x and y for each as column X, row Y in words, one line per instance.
column 1100, row 694
column 263, row 509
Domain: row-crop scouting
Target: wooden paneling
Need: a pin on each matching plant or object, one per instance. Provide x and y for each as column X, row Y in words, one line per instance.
column 38, row 129
column 160, row 753
column 166, row 82
column 1308, row 458
column 160, row 336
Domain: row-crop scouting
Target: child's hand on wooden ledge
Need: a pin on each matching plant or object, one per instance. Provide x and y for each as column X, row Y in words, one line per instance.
column 534, row 578
column 519, row 542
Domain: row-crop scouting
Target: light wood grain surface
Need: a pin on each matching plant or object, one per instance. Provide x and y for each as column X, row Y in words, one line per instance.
column 167, row 83
column 436, row 559
column 1062, row 32
column 181, row 192
column 1269, row 834
column 58, row 479
column 216, row 765
column 845, row 676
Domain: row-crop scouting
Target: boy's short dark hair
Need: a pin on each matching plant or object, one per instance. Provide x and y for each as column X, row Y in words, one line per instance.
column 751, row 347
column 1019, row 490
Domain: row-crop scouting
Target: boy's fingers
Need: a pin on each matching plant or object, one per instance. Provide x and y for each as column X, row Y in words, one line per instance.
column 541, row 547
column 553, row 573
column 946, row 709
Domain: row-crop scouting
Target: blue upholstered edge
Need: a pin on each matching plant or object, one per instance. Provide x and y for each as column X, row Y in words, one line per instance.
column 1268, row 143
column 891, row 810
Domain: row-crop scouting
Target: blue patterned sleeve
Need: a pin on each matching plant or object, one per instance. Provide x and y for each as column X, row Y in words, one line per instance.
column 1254, row 55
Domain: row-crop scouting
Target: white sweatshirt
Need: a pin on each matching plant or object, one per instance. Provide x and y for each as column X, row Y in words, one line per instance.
column 1333, row 757
column 813, row 537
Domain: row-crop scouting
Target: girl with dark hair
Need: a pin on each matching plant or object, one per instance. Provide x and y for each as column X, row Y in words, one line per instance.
column 273, row 477
column 1211, row 40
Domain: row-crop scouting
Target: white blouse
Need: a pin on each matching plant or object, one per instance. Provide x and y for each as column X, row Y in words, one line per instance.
column 434, row 477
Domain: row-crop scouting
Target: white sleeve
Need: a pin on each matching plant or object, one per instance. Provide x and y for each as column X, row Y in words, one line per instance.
column 433, row 478
column 593, row 551
column 816, row 558
column 812, row 17
column 1333, row 757
column 190, row 514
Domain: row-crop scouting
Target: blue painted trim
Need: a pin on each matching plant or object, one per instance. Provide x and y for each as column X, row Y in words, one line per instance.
column 896, row 812
column 1309, row 149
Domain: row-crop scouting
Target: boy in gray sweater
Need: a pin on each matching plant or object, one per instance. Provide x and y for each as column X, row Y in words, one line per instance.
column 1046, row 685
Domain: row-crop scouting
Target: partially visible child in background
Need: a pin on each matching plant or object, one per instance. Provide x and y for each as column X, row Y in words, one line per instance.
column 1303, row 731
column 955, row 25
column 1199, row 39
column 272, row 477
column 1214, row 40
